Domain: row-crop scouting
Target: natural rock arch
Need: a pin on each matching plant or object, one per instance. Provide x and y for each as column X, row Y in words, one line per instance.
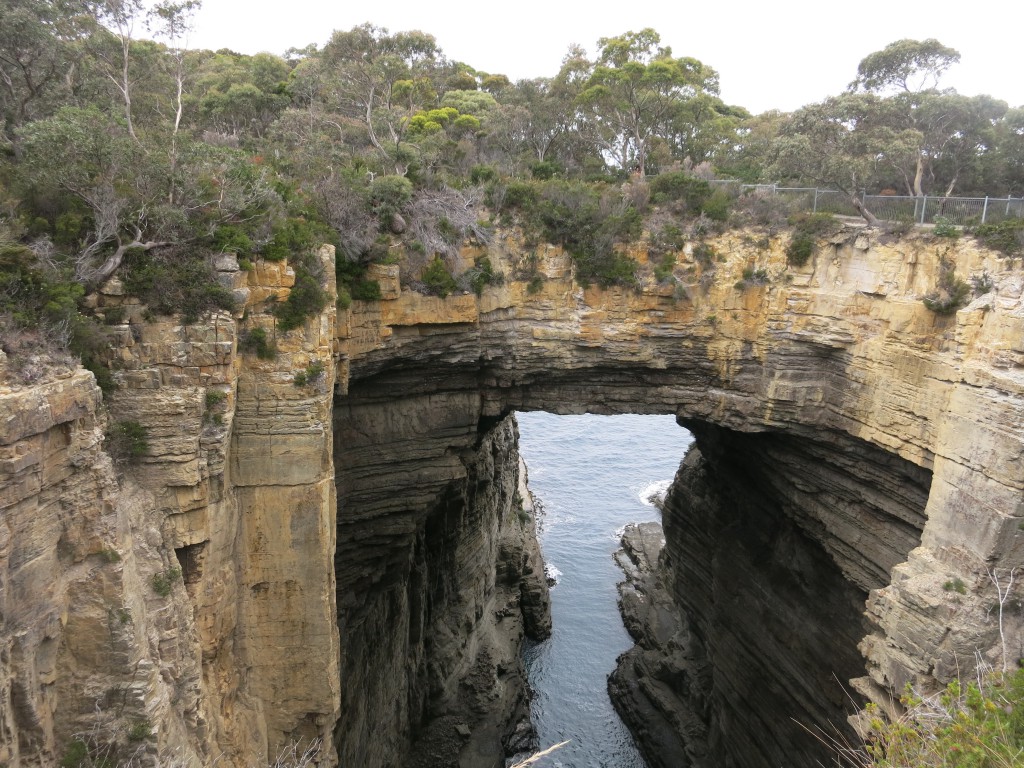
column 876, row 429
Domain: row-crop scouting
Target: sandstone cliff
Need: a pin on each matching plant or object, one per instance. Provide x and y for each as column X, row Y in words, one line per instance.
column 180, row 605
column 197, row 603
column 879, row 443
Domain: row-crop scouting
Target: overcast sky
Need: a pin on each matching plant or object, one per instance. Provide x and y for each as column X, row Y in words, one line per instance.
column 770, row 55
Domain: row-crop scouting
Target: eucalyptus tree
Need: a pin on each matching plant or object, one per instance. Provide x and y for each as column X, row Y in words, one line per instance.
column 530, row 118
column 174, row 21
column 636, row 89
column 905, row 66
column 383, row 79
column 40, row 51
column 838, row 143
column 951, row 130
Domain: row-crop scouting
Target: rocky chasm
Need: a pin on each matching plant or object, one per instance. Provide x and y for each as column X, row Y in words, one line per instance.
column 350, row 561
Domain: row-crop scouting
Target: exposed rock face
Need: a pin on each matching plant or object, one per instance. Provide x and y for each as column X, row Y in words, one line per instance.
column 181, row 607
column 773, row 542
column 438, row 579
column 909, row 423
column 882, row 447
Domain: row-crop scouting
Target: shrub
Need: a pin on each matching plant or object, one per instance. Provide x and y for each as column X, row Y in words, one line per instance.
column 483, row 274
column 1007, row 237
column 945, row 228
column 815, row 223
column 800, row 249
column 951, row 292
column 544, row 170
column 310, row 376
column 127, row 441
column 305, row 299
column 231, row 239
column 717, row 206
column 520, row 195
column 344, row 298
column 438, row 279
column 982, row 284
column 366, row 290
column 535, row 285
column 255, row 341
column 389, row 195
column 481, row 174
column 163, row 582
column 704, row 254
column 753, row 277
column 140, row 730
column 680, row 186
column 295, row 236
column 668, row 238
column 76, row 754
column 977, row 725
column 214, row 400
column 955, row 585
column 663, row 270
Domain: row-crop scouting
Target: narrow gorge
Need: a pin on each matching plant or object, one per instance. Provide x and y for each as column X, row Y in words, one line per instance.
column 343, row 558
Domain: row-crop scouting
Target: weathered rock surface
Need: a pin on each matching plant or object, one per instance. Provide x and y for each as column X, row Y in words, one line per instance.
column 913, row 419
column 884, row 446
column 181, row 607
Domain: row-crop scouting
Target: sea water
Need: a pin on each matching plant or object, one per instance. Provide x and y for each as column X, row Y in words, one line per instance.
column 592, row 475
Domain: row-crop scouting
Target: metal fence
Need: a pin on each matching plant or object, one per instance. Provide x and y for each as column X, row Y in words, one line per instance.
column 964, row 211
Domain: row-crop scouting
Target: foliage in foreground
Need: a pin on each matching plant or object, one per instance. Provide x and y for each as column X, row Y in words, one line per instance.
column 977, row 725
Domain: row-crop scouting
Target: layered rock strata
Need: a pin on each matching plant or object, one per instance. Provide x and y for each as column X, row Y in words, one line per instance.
column 178, row 606
column 188, row 599
column 914, row 418
column 773, row 542
column 439, row 578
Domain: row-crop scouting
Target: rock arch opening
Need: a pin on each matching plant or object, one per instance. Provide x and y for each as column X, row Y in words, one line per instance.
column 774, row 539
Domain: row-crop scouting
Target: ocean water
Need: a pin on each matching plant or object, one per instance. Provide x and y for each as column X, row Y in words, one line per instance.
column 592, row 476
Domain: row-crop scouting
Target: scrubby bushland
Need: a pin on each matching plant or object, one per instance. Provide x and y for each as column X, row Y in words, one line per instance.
column 588, row 220
column 1007, row 237
column 971, row 724
column 176, row 281
column 42, row 322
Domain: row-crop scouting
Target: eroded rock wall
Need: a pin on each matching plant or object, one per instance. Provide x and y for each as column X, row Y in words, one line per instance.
column 438, row 578
column 177, row 606
column 240, row 656
column 772, row 543
column 840, row 356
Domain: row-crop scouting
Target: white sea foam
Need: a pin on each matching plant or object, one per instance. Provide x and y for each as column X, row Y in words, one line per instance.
column 552, row 573
column 654, row 492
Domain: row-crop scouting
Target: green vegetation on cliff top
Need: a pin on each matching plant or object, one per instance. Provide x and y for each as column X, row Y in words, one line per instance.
column 139, row 159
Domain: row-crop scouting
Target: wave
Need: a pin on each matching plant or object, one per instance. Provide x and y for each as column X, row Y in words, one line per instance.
column 552, row 573
column 653, row 494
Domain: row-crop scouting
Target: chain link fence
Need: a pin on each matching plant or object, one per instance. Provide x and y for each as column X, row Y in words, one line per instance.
column 963, row 211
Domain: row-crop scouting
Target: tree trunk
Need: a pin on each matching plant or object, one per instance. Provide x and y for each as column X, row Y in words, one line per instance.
column 869, row 217
column 918, row 177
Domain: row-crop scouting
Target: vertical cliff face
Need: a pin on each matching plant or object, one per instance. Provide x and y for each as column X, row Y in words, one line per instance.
column 202, row 601
column 180, row 604
column 438, row 578
column 772, row 543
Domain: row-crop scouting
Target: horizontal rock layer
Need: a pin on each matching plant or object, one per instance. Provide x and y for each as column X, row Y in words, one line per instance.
column 230, row 509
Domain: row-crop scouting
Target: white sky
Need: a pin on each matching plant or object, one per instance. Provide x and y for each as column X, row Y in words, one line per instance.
column 780, row 54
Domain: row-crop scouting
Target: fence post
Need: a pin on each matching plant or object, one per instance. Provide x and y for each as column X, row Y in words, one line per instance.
column 924, row 207
column 984, row 210
column 815, row 210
